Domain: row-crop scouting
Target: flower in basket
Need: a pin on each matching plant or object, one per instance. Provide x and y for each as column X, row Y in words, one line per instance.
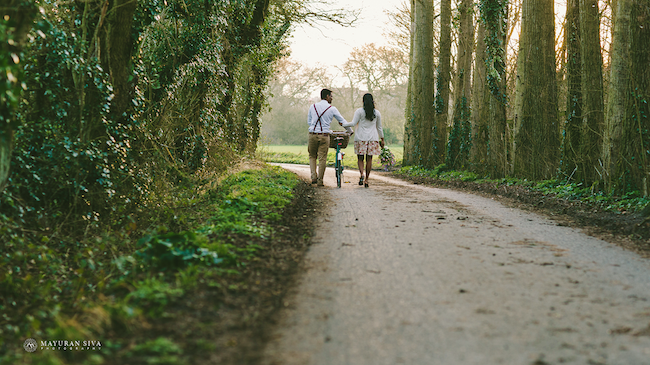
column 387, row 158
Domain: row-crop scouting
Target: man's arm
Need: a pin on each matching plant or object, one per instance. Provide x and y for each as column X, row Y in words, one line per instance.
column 355, row 120
column 309, row 117
column 341, row 120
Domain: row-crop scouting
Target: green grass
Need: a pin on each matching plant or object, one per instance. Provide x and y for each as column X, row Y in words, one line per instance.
column 299, row 155
column 106, row 287
column 633, row 201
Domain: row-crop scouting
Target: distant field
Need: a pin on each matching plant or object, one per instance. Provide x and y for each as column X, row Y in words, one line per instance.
column 299, row 155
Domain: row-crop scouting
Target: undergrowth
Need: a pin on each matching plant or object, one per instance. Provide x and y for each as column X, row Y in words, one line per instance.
column 349, row 160
column 108, row 287
column 303, row 159
column 630, row 202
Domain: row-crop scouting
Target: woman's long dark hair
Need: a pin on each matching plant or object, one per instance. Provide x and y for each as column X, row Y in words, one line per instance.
column 369, row 106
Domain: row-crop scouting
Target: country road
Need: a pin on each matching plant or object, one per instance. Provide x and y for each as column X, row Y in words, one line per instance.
column 405, row 274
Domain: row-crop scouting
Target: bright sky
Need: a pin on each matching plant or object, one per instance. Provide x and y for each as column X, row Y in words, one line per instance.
column 330, row 45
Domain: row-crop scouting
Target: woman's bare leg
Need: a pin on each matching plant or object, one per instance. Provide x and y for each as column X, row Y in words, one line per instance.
column 368, row 165
column 360, row 164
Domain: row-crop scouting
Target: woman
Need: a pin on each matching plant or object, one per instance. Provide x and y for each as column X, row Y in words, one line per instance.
column 369, row 135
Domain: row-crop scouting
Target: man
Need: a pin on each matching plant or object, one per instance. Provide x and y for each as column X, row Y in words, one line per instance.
column 319, row 118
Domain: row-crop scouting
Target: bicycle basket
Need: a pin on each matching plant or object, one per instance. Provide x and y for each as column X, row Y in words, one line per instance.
column 344, row 141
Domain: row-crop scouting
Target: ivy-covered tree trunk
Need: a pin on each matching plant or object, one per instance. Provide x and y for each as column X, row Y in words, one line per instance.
column 409, row 120
column 16, row 18
column 572, row 125
column 85, row 122
column 460, row 137
column 627, row 134
column 496, row 26
column 239, row 45
column 442, row 88
column 250, row 107
column 422, row 83
column 592, row 91
column 119, row 51
column 537, row 135
column 498, row 163
column 480, row 105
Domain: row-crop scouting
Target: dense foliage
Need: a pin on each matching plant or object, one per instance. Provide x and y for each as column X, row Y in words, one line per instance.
column 108, row 288
column 551, row 98
column 107, row 123
column 114, row 117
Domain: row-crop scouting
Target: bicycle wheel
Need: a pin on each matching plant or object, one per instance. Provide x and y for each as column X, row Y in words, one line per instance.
column 339, row 166
column 339, row 172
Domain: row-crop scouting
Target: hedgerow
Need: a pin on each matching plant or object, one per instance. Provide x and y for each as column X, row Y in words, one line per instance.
column 105, row 287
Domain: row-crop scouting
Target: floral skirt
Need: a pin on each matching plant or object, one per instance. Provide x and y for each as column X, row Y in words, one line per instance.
column 367, row 148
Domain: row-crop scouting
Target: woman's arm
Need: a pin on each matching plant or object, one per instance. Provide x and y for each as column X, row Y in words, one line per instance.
column 340, row 119
column 355, row 120
column 380, row 129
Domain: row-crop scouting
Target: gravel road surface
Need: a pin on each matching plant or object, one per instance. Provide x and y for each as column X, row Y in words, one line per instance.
column 405, row 274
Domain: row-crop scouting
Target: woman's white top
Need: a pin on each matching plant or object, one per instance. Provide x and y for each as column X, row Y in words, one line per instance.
column 368, row 130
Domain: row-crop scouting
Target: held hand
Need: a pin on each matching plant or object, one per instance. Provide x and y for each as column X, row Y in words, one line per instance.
column 381, row 143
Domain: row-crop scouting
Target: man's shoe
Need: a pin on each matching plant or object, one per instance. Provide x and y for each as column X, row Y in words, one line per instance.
column 314, row 181
column 320, row 183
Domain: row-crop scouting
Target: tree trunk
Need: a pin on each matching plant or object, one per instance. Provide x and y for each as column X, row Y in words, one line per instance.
column 119, row 53
column 498, row 140
column 425, row 78
column 572, row 130
column 480, row 105
column 627, row 132
column 465, row 49
column 238, row 44
column 616, row 98
column 442, row 93
column 409, row 119
column 460, row 138
column 639, row 126
column 422, row 82
column 614, row 6
column 497, row 123
column 592, row 91
column 537, row 139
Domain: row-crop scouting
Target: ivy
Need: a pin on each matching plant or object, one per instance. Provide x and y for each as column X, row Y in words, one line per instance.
column 199, row 73
column 494, row 14
column 11, row 74
column 460, row 138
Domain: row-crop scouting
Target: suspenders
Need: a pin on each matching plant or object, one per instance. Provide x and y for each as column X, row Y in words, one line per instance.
column 318, row 121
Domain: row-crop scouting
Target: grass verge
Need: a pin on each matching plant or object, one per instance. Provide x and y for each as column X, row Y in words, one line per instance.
column 198, row 286
column 299, row 155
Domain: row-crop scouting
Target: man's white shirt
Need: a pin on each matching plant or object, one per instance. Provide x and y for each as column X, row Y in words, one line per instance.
column 326, row 117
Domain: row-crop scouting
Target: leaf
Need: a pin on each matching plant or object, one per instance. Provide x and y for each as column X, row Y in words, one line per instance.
column 145, row 239
column 166, row 243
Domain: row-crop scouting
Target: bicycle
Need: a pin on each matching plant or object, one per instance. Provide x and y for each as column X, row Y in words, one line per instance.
column 339, row 140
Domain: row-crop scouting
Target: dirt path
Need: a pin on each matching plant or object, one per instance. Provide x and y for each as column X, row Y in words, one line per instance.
column 405, row 274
